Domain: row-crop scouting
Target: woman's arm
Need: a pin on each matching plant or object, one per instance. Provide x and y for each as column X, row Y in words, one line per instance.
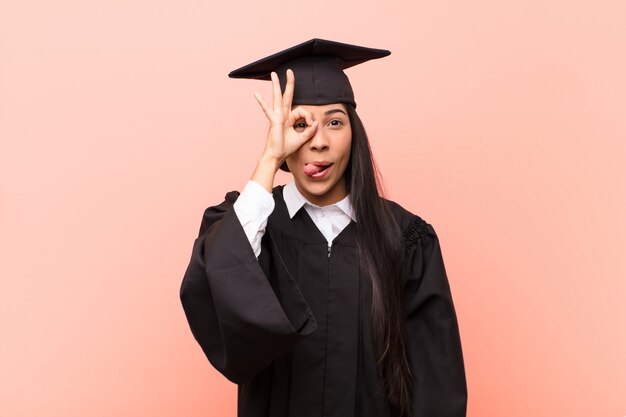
column 256, row 203
column 232, row 310
column 434, row 343
column 253, row 208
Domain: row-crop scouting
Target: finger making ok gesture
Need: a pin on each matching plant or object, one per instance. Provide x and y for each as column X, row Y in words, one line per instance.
column 283, row 139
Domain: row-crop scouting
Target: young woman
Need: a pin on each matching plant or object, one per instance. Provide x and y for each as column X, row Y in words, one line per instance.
column 320, row 297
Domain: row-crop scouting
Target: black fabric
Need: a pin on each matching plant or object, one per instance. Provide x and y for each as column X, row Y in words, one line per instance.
column 292, row 328
column 318, row 66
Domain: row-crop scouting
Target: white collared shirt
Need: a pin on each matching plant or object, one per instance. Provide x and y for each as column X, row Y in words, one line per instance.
column 255, row 204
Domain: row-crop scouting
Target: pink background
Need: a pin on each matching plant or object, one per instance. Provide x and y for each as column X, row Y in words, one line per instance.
column 503, row 124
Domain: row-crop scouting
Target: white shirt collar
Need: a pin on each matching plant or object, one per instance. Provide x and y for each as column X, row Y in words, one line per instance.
column 295, row 200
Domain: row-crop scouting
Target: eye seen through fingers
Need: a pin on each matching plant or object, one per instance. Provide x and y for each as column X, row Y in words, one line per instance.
column 300, row 125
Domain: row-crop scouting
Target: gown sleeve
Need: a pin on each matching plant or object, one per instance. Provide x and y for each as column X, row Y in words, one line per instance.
column 434, row 343
column 232, row 308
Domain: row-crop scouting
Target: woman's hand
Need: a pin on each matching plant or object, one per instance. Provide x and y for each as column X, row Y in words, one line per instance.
column 283, row 139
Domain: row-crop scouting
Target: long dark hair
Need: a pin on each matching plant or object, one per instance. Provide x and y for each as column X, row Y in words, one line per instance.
column 379, row 244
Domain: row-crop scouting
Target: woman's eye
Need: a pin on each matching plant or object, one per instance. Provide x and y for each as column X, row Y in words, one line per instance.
column 335, row 122
column 300, row 125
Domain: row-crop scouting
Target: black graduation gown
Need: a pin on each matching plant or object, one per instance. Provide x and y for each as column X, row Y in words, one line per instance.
column 292, row 328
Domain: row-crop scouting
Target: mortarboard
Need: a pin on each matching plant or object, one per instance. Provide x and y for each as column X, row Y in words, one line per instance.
column 318, row 66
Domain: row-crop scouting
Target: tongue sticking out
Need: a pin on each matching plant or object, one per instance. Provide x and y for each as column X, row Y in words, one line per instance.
column 310, row 169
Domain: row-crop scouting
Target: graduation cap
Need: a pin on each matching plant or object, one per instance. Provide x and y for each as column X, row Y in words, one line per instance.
column 318, row 66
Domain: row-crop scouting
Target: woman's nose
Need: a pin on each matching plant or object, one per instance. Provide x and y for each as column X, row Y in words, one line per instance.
column 319, row 142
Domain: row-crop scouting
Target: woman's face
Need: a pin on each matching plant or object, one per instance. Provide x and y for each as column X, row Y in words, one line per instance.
column 319, row 165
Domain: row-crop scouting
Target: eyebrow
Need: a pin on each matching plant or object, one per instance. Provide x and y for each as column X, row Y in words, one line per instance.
column 326, row 113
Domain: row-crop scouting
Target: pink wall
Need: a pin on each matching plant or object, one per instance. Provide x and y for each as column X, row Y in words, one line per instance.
column 501, row 123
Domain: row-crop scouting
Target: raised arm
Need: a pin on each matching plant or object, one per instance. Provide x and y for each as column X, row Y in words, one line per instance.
column 233, row 311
